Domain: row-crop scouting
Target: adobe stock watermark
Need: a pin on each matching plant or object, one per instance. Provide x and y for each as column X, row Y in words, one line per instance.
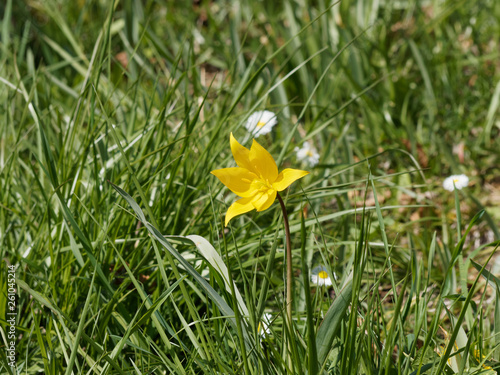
column 10, row 316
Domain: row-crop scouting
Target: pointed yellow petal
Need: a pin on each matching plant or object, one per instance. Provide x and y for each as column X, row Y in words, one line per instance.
column 238, row 180
column 263, row 163
column 241, row 154
column 264, row 200
column 239, row 207
column 287, row 177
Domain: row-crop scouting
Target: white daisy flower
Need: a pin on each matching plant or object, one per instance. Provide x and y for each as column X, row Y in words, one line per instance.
column 460, row 181
column 320, row 276
column 261, row 122
column 263, row 327
column 308, row 154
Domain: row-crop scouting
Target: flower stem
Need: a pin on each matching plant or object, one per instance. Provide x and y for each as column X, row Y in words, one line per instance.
column 288, row 263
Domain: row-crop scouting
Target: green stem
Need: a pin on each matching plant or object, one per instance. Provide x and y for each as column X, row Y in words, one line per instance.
column 288, row 266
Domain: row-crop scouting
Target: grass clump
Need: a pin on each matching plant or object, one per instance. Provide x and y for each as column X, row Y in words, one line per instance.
column 113, row 115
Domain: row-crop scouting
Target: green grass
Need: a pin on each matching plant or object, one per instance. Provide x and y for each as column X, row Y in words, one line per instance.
column 113, row 114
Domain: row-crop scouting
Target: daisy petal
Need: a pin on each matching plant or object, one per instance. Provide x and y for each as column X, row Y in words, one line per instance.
column 263, row 162
column 261, row 122
column 456, row 181
column 308, row 154
column 287, row 177
column 320, row 276
column 239, row 207
column 238, row 180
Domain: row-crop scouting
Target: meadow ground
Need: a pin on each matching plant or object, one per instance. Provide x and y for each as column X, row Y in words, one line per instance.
column 115, row 255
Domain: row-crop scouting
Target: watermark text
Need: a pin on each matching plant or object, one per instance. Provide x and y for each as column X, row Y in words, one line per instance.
column 10, row 316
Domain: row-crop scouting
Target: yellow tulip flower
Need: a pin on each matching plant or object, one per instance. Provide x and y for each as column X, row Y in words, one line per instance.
column 256, row 179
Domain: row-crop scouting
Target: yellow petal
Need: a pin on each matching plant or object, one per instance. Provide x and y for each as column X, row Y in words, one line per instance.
column 287, row 177
column 238, row 180
column 239, row 207
column 241, row 154
column 263, row 163
column 264, row 200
